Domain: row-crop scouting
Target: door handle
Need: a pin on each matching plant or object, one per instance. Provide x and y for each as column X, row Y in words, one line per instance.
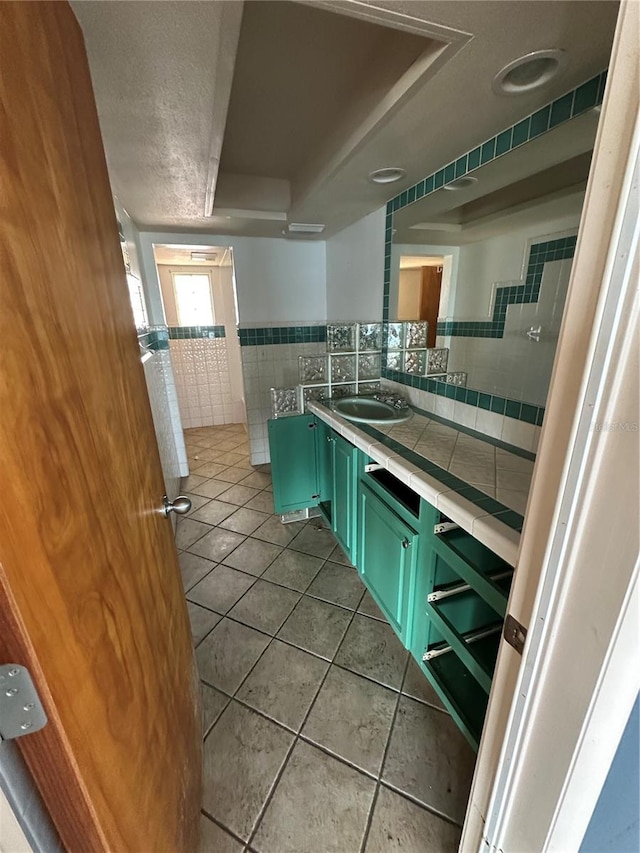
column 181, row 505
column 405, row 543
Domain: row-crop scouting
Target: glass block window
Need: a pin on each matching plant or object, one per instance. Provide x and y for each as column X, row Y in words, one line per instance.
column 193, row 299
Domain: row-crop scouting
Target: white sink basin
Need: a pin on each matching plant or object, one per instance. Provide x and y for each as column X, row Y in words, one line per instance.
column 366, row 410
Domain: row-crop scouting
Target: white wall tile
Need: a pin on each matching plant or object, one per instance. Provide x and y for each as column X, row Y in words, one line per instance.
column 519, row 433
column 166, row 419
column 489, row 423
column 203, row 381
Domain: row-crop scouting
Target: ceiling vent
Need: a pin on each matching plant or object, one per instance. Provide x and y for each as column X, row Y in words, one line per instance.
column 204, row 256
column 305, row 228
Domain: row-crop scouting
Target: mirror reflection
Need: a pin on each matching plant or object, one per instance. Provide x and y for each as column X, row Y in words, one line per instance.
column 485, row 262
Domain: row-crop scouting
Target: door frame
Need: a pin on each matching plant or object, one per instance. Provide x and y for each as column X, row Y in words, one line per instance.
column 546, row 751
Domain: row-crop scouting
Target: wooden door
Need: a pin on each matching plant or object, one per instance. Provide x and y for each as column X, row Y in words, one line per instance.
column 90, row 593
column 430, row 300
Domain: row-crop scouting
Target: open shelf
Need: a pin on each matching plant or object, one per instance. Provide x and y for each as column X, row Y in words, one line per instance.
column 409, row 499
column 460, row 692
column 472, row 629
column 474, row 564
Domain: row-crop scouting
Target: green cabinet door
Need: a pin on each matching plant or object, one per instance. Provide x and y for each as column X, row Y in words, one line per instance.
column 325, row 469
column 343, row 505
column 387, row 559
column 294, row 465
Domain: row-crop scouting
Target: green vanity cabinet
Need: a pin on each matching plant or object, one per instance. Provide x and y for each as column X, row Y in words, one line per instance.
column 345, row 461
column 293, row 445
column 443, row 592
column 387, row 559
column 460, row 603
column 311, row 465
column 325, row 470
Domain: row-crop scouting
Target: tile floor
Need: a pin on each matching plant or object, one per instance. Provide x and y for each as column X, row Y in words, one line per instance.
column 320, row 734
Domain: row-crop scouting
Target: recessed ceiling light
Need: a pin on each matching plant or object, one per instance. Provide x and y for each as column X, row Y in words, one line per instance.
column 529, row 72
column 389, row 175
column 460, row 183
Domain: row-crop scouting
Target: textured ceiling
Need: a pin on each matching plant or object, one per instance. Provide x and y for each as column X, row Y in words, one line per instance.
column 299, row 73
column 163, row 74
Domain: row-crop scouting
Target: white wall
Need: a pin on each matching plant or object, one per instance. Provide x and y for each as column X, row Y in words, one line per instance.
column 158, row 375
column 278, row 281
column 409, row 294
column 517, row 366
column 208, row 372
column 513, row 366
column 355, row 271
column 450, row 256
column 498, row 260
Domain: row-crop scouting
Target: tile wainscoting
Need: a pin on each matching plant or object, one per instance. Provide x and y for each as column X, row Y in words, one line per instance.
column 270, row 360
column 498, row 426
column 167, row 423
column 206, row 395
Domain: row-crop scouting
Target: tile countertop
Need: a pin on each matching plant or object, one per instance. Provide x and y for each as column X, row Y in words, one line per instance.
column 480, row 486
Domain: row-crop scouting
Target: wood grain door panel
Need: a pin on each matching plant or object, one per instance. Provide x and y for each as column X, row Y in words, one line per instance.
column 430, row 300
column 90, row 592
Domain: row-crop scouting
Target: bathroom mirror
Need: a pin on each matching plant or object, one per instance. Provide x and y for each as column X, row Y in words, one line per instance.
column 482, row 251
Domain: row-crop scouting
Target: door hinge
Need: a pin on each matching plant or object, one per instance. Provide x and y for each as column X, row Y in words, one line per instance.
column 21, row 711
column 514, row 633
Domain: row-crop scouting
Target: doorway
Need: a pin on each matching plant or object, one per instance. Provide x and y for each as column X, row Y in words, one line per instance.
column 197, row 286
column 420, row 291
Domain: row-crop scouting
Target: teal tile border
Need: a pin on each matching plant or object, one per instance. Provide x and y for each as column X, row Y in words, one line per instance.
column 562, row 109
column 493, row 507
column 539, row 254
column 490, row 402
column 282, row 335
column 155, row 339
column 185, row 332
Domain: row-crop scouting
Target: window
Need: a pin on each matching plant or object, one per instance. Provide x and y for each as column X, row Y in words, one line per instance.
column 193, row 299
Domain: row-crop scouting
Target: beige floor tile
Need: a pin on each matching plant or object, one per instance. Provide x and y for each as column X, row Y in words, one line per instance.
column 283, row 683
column 400, row 826
column 243, row 755
column 319, row 804
column 239, row 494
column 351, row 717
column 213, row 839
column 244, row 520
column 429, row 759
column 253, row 556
